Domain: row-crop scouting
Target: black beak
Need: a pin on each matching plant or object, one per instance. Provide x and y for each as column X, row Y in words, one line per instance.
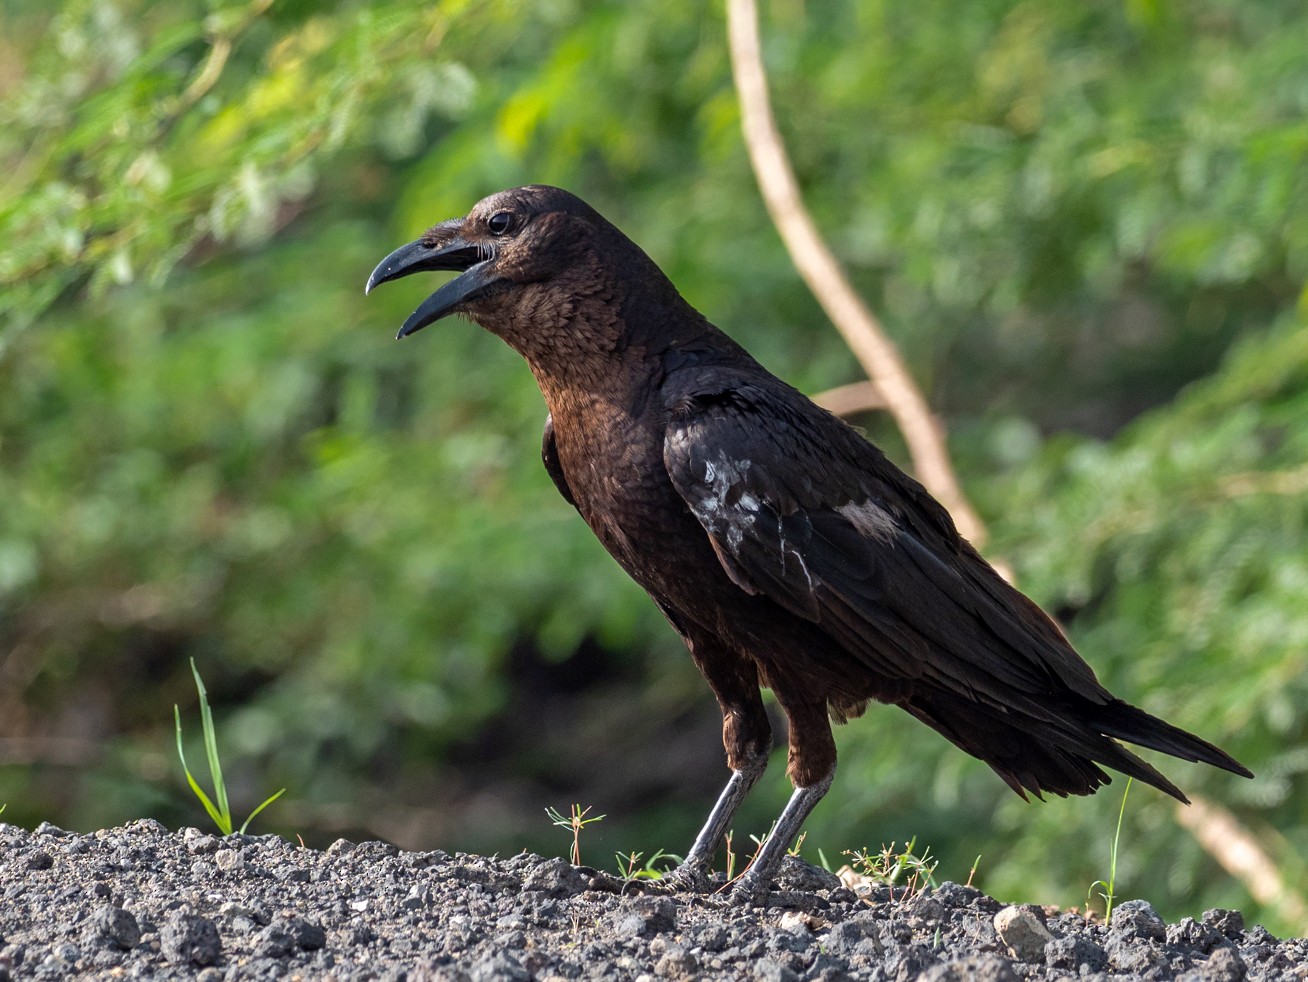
column 443, row 248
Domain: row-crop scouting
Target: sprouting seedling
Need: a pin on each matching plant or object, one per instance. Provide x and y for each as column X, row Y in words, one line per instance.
column 731, row 856
column 574, row 823
column 971, row 874
column 890, row 866
column 221, row 813
column 633, row 865
column 799, row 844
column 1109, row 888
column 628, row 864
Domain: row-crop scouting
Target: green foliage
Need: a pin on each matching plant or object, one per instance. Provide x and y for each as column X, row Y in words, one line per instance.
column 574, row 822
column 217, row 807
column 1109, row 886
column 1067, row 214
column 634, row 865
column 894, row 867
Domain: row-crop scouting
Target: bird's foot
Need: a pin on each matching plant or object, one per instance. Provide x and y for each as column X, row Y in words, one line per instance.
column 749, row 890
column 685, row 879
column 604, row 882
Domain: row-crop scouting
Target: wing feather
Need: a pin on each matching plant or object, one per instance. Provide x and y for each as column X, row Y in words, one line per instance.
column 802, row 510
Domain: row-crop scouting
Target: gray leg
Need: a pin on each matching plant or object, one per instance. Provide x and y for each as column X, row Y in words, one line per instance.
column 752, row 887
column 746, row 737
column 694, row 869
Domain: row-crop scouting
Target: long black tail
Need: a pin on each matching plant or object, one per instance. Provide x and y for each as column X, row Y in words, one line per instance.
column 1125, row 722
column 1062, row 753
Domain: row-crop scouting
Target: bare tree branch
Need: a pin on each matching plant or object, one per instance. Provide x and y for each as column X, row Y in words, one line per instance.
column 845, row 400
column 826, row 279
column 1239, row 852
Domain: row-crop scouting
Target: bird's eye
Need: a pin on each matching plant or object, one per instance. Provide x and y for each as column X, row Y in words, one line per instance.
column 499, row 222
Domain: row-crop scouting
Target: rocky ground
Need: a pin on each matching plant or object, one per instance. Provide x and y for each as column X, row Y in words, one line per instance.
column 141, row 901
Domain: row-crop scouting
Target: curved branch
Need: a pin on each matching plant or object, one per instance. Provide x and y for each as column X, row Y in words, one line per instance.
column 1238, row 850
column 846, row 400
column 825, row 278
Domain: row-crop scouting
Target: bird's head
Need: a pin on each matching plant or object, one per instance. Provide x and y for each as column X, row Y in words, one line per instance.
column 519, row 253
column 547, row 273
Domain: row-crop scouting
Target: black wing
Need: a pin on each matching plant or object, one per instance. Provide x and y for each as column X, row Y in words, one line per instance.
column 801, row 509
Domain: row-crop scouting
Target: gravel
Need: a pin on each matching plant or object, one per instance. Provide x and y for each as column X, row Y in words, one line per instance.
column 143, row 902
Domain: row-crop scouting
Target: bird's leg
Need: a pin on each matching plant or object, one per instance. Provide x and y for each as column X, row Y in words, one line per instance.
column 812, row 766
column 747, row 739
column 752, row 887
column 693, row 872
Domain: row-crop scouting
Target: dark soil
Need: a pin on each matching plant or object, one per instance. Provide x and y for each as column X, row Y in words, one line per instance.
column 142, row 902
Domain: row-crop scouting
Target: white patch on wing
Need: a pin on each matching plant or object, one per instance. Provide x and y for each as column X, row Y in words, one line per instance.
column 722, row 476
column 784, row 547
column 869, row 519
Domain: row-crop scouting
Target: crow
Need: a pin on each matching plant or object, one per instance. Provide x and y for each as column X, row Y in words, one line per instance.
column 785, row 549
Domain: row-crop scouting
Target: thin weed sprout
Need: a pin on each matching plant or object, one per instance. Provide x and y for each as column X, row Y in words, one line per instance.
column 971, row 874
column 1109, row 889
column 574, row 822
column 891, row 867
column 221, row 812
column 634, row 866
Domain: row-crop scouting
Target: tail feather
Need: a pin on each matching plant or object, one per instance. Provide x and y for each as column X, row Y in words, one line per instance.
column 1063, row 756
column 1123, row 721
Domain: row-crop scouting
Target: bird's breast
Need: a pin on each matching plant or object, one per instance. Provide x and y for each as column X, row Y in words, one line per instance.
column 617, row 476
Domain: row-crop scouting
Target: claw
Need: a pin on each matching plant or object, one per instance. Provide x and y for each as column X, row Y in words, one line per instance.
column 749, row 891
column 686, row 879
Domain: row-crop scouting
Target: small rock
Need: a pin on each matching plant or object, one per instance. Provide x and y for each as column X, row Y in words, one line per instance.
column 200, row 843
column 228, row 860
column 676, row 963
column 1137, row 919
column 1229, row 922
column 115, row 925
column 190, row 939
column 956, row 895
column 1191, row 934
column 40, row 859
column 771, row 970
column 1136, row 956
column 498, row 967
column 971, row 968
column 1223, row 965
column 797, row 875
column 1022, row 928
column 557, row 878
column 798, row 922
column 146, row 826
column 712, row 937
column 628, row 926
column 644, row 915
column 340, row 847
column 1071, row 953
column 849, row 935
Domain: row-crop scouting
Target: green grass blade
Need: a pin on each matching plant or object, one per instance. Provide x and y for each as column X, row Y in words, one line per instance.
column 224, row 824
column 266, row 802
column 1112, row 857
column 211, row 749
